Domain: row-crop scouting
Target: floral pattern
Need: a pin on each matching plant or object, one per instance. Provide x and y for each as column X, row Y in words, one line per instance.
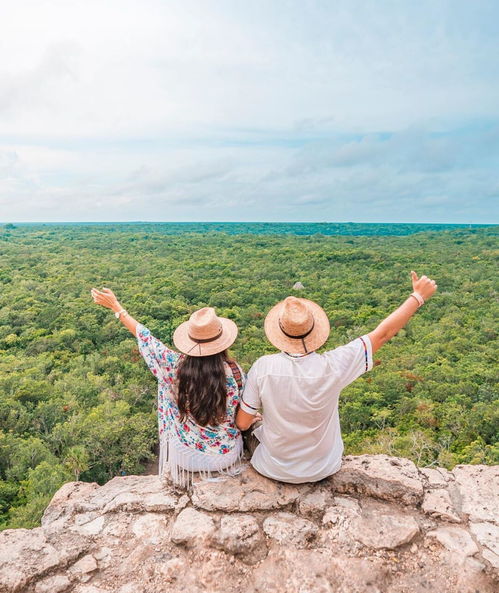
column 163, row 362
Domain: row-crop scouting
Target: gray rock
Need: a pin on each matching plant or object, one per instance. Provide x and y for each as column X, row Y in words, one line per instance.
column 288, row 529
column 241, row 535
column 246, row 493
column 56, row 584
column 438, row 477
column 84, row 565
column 455, row 539
column 192, row 527
column 379, row 527
column 478, row 486
column 438, row 503
column 150, row 528
column 487, row 535
column 26, row 554
column 67, row 500
column 314, row 503
column 492, row 558
column 380, row 476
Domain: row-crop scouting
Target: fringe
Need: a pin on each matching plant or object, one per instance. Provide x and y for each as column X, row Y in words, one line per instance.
column 182, row 464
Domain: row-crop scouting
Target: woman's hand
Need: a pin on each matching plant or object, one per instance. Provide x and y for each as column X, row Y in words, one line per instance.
column 106, row 298
column 258, row 418
column 423, row 286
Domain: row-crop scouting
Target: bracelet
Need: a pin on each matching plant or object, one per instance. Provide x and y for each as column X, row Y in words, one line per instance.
column 119, row 313
column 418, row 297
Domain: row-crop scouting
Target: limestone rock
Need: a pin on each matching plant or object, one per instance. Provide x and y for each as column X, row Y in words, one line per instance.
column 342, row 510
column 288, row 529
column 66, row 500
column 479, row 488
column 492, row 558
column 439, row 504
column 455, row 539
column 84, row 565
column 246, row 493
column 57, row 584
column 291, row 570
column 150, row 528
column 487, row 535
column 298, row 286
column 380, row 476
column 241, row 535
column 124, row 536
column 438, row 477
column 314, row 503
column 380, row 527
column 192, row 527
column 26, row 554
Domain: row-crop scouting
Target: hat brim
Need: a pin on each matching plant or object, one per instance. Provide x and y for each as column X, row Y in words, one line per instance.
column 190, row 347
column 315, row 339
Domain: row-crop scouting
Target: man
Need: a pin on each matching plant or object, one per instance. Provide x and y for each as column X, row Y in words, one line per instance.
column 298, row 389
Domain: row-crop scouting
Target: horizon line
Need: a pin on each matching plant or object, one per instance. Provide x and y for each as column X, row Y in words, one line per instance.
column 238, row 222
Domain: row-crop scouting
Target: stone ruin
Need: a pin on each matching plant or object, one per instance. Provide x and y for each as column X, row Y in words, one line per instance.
column 380, row 525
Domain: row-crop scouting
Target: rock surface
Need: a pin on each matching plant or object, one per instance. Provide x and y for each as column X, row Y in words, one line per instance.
column 379, row 525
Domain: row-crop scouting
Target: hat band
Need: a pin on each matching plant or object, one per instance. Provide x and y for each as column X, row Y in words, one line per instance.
column 300, row 337
column 206, row 340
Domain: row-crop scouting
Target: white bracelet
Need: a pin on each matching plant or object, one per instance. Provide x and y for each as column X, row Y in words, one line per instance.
column 418, row 297
column 119, row 313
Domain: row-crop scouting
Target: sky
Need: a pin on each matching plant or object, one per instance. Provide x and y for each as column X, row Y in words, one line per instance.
column 267, row 110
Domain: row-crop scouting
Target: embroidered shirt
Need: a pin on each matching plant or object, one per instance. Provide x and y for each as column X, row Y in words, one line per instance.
column 163, row 363
column 300, row 436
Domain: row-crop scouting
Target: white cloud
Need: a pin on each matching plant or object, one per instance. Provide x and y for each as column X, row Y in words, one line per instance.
column 127, row 109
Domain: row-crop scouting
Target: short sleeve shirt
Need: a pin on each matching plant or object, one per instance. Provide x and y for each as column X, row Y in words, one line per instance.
column 163, row 363
column 300, row 437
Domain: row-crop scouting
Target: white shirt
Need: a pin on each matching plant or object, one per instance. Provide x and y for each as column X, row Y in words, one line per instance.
column 300, row 437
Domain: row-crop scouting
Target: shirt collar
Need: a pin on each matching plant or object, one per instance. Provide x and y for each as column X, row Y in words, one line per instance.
column 297, row 356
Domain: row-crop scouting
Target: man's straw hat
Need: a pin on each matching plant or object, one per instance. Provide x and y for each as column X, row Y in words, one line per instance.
column 297, row 326
column 205, row 333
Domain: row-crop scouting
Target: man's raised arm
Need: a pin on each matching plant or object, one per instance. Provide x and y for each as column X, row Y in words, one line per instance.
column 423, row 289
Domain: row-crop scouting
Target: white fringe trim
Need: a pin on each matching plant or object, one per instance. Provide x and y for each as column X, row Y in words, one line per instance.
column 179, row 462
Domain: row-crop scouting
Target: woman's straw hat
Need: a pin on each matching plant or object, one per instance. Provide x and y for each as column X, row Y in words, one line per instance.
column 205, row 333
column 297, row 326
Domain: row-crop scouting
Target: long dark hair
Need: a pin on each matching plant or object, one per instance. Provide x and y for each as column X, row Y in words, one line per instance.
column 202, row 388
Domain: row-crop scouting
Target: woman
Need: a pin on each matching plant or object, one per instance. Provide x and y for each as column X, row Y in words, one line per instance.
column 199, row 390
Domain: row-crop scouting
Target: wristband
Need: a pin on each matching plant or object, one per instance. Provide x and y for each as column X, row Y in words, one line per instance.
column 119, row 313
column 418, row 297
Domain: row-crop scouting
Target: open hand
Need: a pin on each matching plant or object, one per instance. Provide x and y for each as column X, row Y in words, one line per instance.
column 423, row 286
column 106, row 298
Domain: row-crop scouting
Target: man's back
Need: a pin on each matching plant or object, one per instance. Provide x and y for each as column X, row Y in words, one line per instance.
column 300, row 438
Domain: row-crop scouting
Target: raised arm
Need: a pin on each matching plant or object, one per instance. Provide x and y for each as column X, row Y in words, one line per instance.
column 423, row 288
column 107, row 298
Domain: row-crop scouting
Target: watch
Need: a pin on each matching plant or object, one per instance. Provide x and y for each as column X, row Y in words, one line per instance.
column 118, row 313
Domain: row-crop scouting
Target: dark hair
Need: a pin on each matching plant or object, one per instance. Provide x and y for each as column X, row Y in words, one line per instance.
column 202, row 389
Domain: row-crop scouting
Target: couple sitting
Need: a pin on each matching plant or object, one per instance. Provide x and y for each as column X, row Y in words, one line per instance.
column 204, row 401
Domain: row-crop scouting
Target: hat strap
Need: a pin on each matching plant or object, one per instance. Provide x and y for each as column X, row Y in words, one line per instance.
column 300, row 337
column 205, row 340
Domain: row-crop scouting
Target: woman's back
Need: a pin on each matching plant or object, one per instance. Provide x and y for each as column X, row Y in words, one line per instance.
column 184, row 443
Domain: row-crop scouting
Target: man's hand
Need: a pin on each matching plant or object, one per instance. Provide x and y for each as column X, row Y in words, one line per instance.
column 106, row 298
column 423, row 286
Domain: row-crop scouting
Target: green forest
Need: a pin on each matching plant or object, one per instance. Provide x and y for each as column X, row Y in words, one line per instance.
column 76, row 398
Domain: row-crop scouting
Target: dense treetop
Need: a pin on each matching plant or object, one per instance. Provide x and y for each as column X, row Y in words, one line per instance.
column 76, row 400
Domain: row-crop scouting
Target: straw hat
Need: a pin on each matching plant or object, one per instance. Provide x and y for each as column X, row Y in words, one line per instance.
column 205, row 333
column 297, row 326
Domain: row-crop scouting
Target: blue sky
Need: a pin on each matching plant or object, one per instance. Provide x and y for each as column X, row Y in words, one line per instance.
column 263, row 110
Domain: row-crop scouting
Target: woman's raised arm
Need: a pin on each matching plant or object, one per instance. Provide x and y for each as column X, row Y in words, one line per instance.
column 107, row 298
column 423, row 289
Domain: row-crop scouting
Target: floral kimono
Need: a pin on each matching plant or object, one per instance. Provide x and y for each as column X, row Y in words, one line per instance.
column 186, row 447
